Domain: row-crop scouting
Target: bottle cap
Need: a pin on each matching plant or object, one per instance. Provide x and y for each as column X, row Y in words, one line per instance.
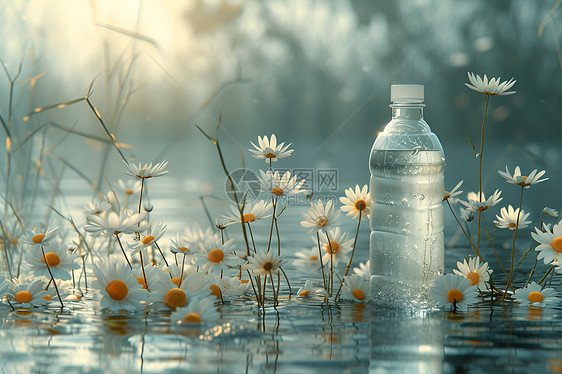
column 406, row 93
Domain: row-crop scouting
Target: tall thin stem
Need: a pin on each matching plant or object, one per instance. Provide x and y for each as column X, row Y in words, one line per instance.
column 320, row 259
column 331, row 264
column 351, row 257
column 513, row 245
column 143, row 273
column 51, row 274
column 122, row 250
column 480, row 166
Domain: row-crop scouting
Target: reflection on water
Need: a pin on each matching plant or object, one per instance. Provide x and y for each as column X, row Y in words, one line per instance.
column 299, row 336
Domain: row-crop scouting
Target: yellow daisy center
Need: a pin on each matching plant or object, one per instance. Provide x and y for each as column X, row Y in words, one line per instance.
column 128, row 191
column 23, row 297
column 313, row 258
column 360, row 205
column 47, row 297
column 268, row 265
column 141, row 282
column 215, row 291
column 147, row 239
column 474, row 278
column 454, row 296
column 183, row 249
column 322, row 221
column 52, row 259
column 248, row 217
column 175, row 298
column 304, row 293
column 557, row 244
column 176, row 281
column 14, row 241
column 117, row 290
column 270, row 155
column 535, row 297
column 511, row 224
column 277, row 191
column 37, row 238
column 192, row 318
column 358, row 294
column 216, row 255
column 333, row 247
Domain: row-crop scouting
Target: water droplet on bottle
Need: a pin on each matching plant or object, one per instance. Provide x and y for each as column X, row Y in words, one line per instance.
column 422, row 196
column 404, row 231
column 391, row 203
column 404, row 201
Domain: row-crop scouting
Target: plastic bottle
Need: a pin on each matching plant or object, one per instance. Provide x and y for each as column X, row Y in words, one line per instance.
column 407, row 184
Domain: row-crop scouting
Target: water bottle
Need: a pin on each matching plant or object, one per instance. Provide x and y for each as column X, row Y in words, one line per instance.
column 407, row 184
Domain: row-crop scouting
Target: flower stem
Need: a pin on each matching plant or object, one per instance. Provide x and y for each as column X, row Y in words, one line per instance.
column 52, row 278
column 273, row 289
column 480, row 166
column 143, row 273
column 122, row 250
column 274, row 202
column 181, row 272
column 351, row 257
column 161, row 253
column 513, row 245
column 320, row 259
column 331, row 264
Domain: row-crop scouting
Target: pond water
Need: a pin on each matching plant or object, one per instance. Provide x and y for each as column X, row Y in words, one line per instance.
column 299, row 336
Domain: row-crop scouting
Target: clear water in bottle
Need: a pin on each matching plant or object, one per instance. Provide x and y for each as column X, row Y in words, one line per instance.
column 407, row 165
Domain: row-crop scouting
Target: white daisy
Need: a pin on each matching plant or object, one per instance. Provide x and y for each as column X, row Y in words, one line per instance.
column 60, row 262
column 27, row 293
column 198, row 311
column 451, row 196
column 226, row 286
column 490, row 87
column 167, row 295
column 96, row 207
column 196, row 237
column 364, row 270
column 174, row 273
column 508, row 218
column 147, row 170
column 280, row 185
column 35, row 237
column 550, row 242
column 155, row 233
column 305, row 289
column 467, row 215
column 264, row 263
column 308, row 258
column 357, row 201
column 521, row 180
column 129, row 187
column 151, row 272
column 477, row 273
column 476, row 205
column 270, row 150
column 252, row 212
column 535, row 295
column 116, row 287
column 338, row 247
column 5, row 287
column 111, row 223
column 182, row 246
column 320, row 218
column 355, row 288
column 216, row 257
column 550, row 212
column 453, row 291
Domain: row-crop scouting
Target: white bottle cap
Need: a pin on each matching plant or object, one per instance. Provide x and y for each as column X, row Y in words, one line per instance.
column 406, row 93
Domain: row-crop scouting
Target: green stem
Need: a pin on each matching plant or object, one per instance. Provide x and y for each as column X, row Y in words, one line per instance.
column 513, row 245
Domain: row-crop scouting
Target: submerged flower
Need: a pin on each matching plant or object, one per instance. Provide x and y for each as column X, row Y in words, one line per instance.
column 320, row 218
column 60, row 262
column 198, row 311
column 35, row 238
column 263, row 262
column 355, row 288
column 477, row 273
column 508, row 218
column 27, row 293
column 216, row 257
column 357, row 201
column 147, row 170
column 476, row 205
column 280, row 185
column 490, row 87
column 454, row 192
column 521, row 180
column 270, row 150
column 453, row 291
column 533, row 294
column 550, row 242
column 117, row 288
column 252, row 212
